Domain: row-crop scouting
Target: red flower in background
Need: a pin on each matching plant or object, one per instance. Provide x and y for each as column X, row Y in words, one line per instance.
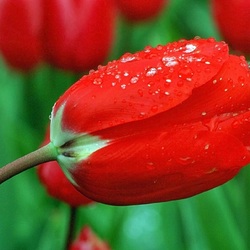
column 57, row 185
column 140, row 10
column 162, row 124
column 87, row 240
column 20, row 23
column 78, row 34
column 73, row 35
column 232, row 18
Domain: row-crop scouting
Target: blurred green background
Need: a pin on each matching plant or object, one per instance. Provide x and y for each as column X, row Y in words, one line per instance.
column 30, row 219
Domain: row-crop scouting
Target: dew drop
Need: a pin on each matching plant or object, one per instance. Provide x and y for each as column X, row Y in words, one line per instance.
column 97, row 81
column 151, row 72
column 147, row 49
column 169, row 61
column 190, row 48
column 150, row 166
column 117, row 76
column 140, row 92
column 185, row 160
column 127, row 58
column 203, row 113
column 186, row 73
column 154, row 108
column 150, row 84
column 235, row 124
column 159, row 47
column 142, row 115
column 123, row 86
column 134, row 79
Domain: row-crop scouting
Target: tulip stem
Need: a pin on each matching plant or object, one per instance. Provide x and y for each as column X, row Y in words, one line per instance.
column 71, row 227
column 41, row 155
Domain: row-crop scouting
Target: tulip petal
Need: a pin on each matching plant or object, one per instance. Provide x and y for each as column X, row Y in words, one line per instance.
column 140, row 85
column 164, row 165
column 227, row 92
column 225, row 96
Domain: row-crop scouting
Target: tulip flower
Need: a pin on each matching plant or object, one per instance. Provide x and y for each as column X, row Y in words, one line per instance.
column 57, row 184
column 232, row 20
column 89, row 241
column 140, row 10
column 20, row 23
column 162, row 124
column 77, row 34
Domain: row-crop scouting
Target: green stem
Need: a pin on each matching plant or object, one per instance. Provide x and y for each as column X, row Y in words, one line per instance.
column 71, row 227
column 41, row 155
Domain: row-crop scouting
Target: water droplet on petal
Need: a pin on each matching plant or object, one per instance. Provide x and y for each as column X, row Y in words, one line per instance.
column 134, row 79
column 123, row 86
column 185, row 160
column 169, row 61
column 97, row 81
column 151, row 72
column 154, row 108
column 186, row 73
column 235, row 124
column 140, row 92
column 190, row 48
column 127, row 58
column 150, row 166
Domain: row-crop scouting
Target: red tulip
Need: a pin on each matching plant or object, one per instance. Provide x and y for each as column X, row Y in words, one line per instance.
column 162, row 124
column 20, row 32
column 232, row 18
column 78, row 34
column 57, row 185
column 87, row 240
column 140, row 10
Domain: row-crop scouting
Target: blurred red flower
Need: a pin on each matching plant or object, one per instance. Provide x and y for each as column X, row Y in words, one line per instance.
column 78, row 34
column 232, row 19
column 140, row 10
column 87, row 240
column 20, row 24
column 74, row 35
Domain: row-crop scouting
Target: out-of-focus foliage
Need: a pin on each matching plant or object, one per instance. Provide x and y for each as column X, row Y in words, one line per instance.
column 30, row 219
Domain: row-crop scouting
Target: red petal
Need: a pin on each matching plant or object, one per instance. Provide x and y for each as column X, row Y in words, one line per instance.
column 163, row 165
column 221, row 98
column 141, row 85
column 20, row 23
column 58, row 186
column 227, row 92
column 140, row 10
column 78, row 35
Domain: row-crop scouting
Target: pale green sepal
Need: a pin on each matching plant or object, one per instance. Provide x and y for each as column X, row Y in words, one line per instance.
column 72, row 147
